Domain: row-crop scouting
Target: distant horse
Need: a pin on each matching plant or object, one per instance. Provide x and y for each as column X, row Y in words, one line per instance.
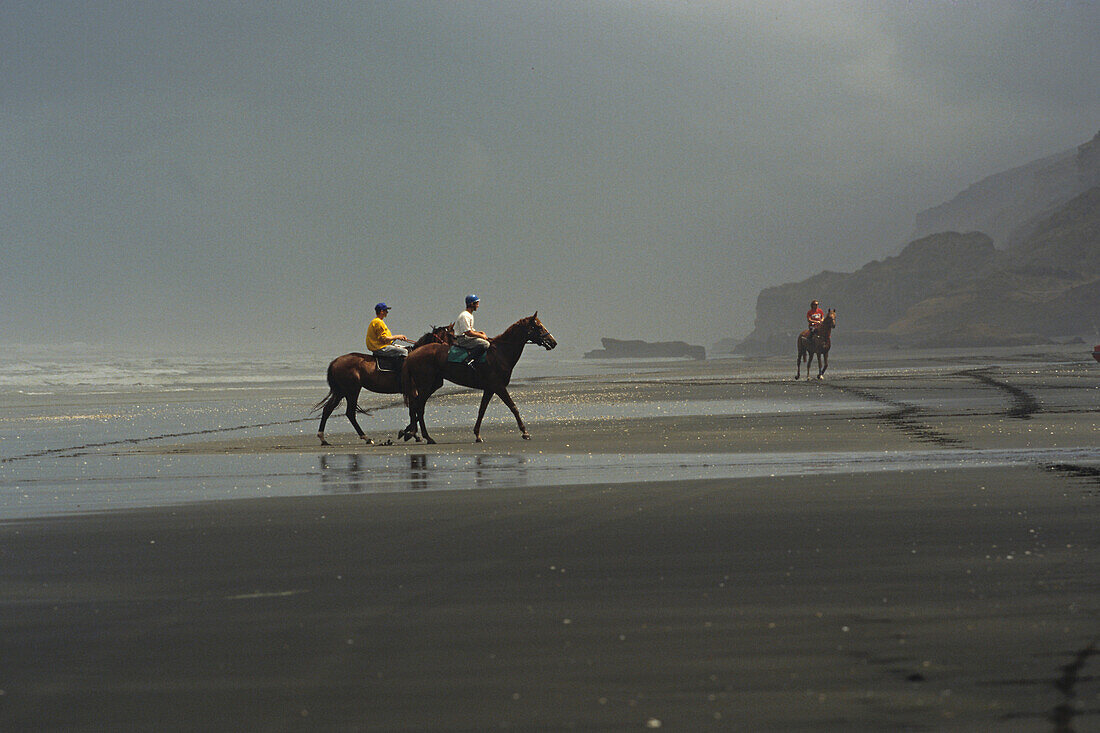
column 424, row 371
column 817, row 344
column 350, row 373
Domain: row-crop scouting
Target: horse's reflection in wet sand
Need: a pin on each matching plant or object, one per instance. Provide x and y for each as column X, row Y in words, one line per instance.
column 495, row 472
column 347, row 479
column 355, row 474
column 418, row 471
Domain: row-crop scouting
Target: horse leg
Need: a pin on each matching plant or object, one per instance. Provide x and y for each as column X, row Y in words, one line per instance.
column 507, row 398
column 419, row 403
column 798, row 368
column 485, row 397
column 330, row 405
column 353, row 400
column 408, row 389
column 409, row 431
column 821, row 374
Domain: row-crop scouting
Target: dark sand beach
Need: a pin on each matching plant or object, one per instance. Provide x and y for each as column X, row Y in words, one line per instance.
column 964, row 597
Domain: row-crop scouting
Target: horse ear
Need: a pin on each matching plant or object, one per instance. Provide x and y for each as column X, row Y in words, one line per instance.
column 536, row 315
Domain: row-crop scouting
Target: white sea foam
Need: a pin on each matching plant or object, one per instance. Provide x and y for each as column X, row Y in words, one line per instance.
column 52, row 372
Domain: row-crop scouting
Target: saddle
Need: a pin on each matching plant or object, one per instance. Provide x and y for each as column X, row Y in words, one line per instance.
column 388, row 363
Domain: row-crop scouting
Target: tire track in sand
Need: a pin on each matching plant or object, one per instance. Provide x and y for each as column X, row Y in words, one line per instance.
column 903, row 417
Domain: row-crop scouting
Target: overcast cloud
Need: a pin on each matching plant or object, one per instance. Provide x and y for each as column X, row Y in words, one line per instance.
column 262, row 173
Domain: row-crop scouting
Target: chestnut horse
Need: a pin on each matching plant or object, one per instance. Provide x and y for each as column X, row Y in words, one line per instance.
column 817, row 344
column 424, row 371
column 350, row 373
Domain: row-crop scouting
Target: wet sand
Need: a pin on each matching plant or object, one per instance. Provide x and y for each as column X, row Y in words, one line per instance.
column 962, row 599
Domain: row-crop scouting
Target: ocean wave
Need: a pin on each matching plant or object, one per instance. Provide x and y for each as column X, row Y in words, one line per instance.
column 52, row 375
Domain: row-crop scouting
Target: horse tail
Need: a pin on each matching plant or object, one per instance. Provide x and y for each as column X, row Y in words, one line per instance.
column 408, row 386
column 330, row 377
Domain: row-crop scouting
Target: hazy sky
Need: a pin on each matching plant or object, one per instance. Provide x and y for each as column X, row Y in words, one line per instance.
column 263, row 172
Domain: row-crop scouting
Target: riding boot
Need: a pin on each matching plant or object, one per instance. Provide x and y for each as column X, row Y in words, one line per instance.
column 475, row 354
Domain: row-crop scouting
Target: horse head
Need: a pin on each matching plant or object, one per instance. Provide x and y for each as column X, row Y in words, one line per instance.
column 830, row 318
column 438, row 335
column 444, row 334
column 537, row 333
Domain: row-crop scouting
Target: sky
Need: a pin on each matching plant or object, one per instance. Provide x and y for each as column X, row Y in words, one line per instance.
column 259, row 174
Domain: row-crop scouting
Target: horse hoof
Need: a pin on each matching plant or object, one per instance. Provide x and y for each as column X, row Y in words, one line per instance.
column 406, row 436
column 526, row 436
column 365, row 439
column 431, row 442
column 324, row 442
column 477, row 439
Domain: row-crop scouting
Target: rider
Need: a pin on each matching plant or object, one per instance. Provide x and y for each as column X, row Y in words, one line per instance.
column 814, row 317
column 476, row 342
column 380, row 341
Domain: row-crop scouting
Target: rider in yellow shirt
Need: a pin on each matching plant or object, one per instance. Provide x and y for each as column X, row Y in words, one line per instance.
column 380, row 341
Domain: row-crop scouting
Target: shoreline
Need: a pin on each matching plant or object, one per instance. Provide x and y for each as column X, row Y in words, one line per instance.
column 954, row 597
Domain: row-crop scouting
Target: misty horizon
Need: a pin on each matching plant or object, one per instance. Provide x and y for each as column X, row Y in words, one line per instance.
column 261, row 175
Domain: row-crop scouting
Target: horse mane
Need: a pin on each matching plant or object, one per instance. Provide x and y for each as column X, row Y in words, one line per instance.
column 508, row 334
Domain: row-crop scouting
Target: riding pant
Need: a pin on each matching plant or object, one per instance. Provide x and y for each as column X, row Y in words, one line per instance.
column 392, row 351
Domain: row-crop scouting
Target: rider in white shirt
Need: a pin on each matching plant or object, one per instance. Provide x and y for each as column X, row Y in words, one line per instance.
column 466, row 335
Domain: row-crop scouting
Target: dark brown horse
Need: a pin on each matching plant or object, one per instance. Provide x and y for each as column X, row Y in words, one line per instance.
column 817, row 344
column 425, row 370
column 350, row 373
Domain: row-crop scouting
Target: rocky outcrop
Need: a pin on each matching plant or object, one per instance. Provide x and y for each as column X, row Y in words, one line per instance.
column 873, row 298
column 1065, row 244
column 954, row 289
column 636, row 349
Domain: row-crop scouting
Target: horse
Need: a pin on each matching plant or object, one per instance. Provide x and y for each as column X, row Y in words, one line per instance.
column 817, row 344
column 352, row 372
column 424, row 371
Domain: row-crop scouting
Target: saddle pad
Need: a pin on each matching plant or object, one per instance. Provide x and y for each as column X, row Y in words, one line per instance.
column 458, row 355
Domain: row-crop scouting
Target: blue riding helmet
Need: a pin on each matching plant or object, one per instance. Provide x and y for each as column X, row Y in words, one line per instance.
column 472, row 299
column 381, row 307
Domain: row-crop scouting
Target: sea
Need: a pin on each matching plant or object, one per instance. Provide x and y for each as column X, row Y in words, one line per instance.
column 70, row 415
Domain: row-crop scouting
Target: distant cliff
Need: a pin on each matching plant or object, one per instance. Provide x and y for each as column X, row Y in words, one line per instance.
column 952, row 289
column 1008, row 205
column 636, row 349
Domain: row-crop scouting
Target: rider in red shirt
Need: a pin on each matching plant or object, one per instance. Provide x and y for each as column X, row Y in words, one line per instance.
column 815, row 317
